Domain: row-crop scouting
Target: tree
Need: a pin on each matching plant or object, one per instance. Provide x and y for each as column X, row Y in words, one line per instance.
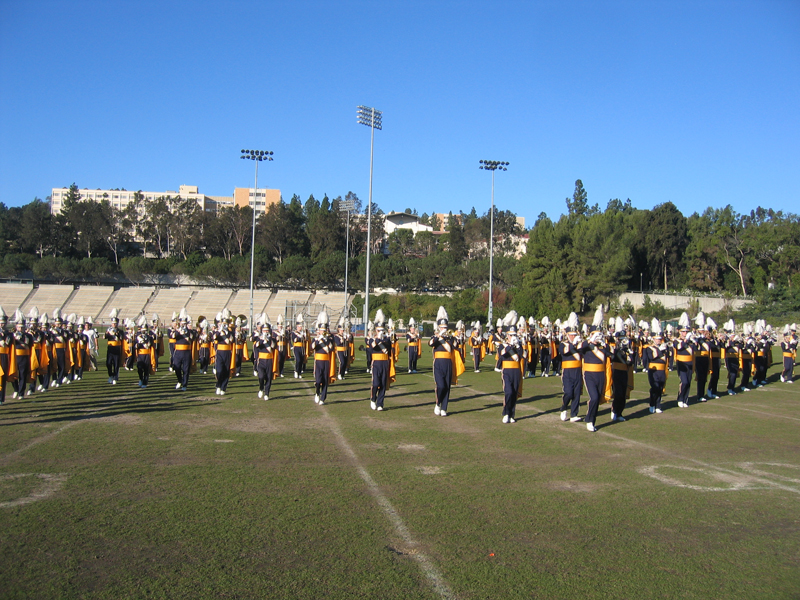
column 456, row 244
column 36, row 228
column 664, row 240
column 578, row 206
column 186, row 226
column 280, row 230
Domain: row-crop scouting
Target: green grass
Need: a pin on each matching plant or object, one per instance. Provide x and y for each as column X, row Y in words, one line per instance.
column 193, row 495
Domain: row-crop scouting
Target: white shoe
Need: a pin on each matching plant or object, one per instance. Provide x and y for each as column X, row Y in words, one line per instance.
column 783, row 379
column 505, row 418
column 731, row 393
column 703, row 399
column 652, row 409
column 409, row 371
column 266, row 397
column 790, row 381
column 613, row 417
column 436, row 410
column 260, row 394
column 380, row 408
column 177, row 386
column 590, row 427
column 372, row 405
column 299, row 376
column 64, row 380
column 255, row 373
column 510, row 420
column 218, row 391
column 477, row 370
column 40, row 388
column 14, row 395
column 745, row 389
column 222, row 392
column 29, row 393
column 339, row 377
column 316, row 398
column 442, row 413
column 214, row 370
column 659, row 411
column 574, row 419
column 547, row 374
column 171, row 370
column 113, row 382
column 564, row 415
column 295, row 374
column 321, row 402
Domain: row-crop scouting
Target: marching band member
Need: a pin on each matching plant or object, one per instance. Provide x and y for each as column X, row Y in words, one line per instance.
column 446, row 364
column 511, row 353
column 342, row 349
column 5, row 353
column 684, row 348
column 282, row 343
column 223, row 340
column 763, row 351
column 789, row 351
column 299, row 337
column 733, row 347
column 596, row 368
column 144, row 348
column 323, row 347
column 265, row 360
column 571, row 383
column 478, row 346
column 114, row 336
column 184, row 356
column 713, row 342
column 657, row 361
column 383, row 361
column 414, row 347
column 621, row 371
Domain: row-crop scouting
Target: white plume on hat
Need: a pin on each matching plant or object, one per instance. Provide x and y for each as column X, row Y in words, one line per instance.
column 700, row 320
column 521, row 324
column 390, row 323
column 619, row 324
column 441, row 315
column 786, row 330
column 510, row 319
column 412, row 322
column 584, row 329
column 670, row 328
column 3, row 314
column 204, row 324
column 499, row 323
column 279, row 320
column 155, row 317
column 114, row 314
column 142, row 322
column 531, row 322
column 57, row 314
column 644, row 324
column 71, row 318
column 612, row 322
column 18, row 316
column 81, row 320
column 729, row 326
column 218, row 318
column 380, row 318
column 33, row 314
column 299, row 319
column 760, row 328
column 558, row 322
column 460, row 325
column 183, row 315
column 322, row 319
column 711, row 325
column 655, row 327
column 684, row 321
column 572, row 322
column 545, row 321
column 174, row 316
column 43, row 320
column 226, row 314
column 599, row 315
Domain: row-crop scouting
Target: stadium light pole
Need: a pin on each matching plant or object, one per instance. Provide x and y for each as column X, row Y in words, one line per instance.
column 257, row 156
column 492, row 165
column 371, row 118
column 347, row 205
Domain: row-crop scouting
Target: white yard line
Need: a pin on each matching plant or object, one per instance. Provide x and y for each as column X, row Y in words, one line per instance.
column 429, row 569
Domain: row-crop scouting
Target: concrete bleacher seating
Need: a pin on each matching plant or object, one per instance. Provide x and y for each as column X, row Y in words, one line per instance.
column 168, row 300
column 88, row 301
column 240, row 303
column 208, row 303
column 47, row 298
column 284, row 297
column 333, row 300
column 12, row 295
column 130, row 301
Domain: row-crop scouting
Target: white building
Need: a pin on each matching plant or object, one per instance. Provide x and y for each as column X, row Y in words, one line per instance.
column 395, row 220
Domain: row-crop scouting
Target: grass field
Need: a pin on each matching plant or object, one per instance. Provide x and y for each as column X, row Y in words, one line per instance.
column 116, row 492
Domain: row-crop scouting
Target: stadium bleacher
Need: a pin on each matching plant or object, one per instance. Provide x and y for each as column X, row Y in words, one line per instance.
column 283, row 297
column 208, row 303
column 88, row 301
column 167, row 301
column 13, row 295
column 47, row 298
column 240, row 303
column 129, row 301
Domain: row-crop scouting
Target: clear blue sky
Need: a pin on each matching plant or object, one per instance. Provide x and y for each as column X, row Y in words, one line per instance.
column 690, row 102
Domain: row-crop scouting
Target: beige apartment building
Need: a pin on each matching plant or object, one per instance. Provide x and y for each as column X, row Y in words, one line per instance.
column 119, row 199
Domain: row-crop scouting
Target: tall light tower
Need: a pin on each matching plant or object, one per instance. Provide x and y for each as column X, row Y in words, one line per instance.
column 492, row 165
column 348, row 205
column 258, row 156
column 372, row 119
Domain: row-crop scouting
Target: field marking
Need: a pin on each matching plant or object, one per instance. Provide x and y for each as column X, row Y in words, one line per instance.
column 700, row 462
column 758, row 412
column 52, row 483
column 429, row 569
